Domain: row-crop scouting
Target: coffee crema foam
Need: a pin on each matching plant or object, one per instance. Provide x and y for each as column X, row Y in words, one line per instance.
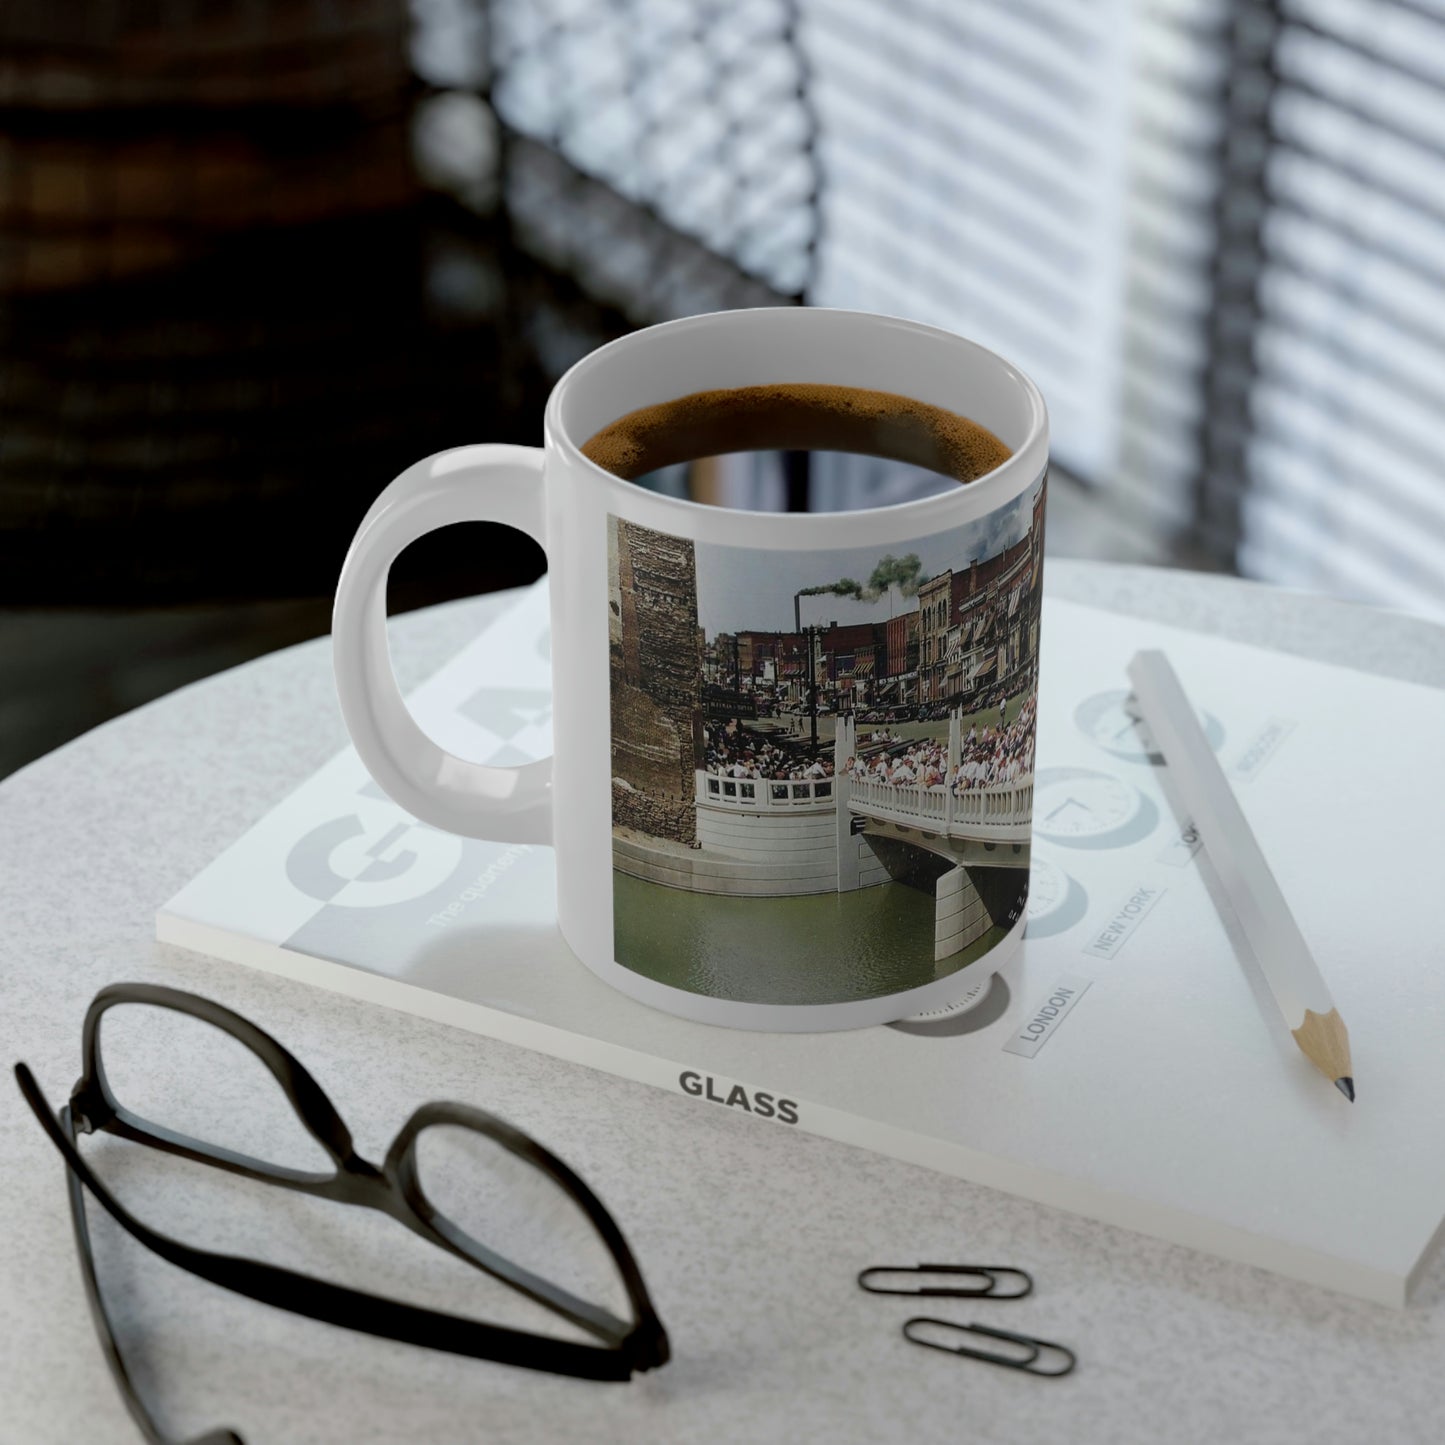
column 796, row 416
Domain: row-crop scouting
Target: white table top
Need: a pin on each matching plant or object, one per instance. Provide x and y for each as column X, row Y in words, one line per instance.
column 750, row 1237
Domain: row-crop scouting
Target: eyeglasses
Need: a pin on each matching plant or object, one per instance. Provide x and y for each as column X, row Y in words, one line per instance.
column 395, row 1188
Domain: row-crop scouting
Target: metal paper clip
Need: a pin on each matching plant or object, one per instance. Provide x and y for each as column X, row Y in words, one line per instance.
column 992, row 1274
column 1026, row 1362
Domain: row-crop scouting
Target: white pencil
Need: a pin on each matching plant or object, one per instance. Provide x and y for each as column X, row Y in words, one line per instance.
column 1281, row 952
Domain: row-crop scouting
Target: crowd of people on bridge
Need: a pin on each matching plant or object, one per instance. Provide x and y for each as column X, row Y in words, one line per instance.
column 733, row 752
column 989, row 757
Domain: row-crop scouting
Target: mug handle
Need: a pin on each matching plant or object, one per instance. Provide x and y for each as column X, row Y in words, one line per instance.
column 470, row 484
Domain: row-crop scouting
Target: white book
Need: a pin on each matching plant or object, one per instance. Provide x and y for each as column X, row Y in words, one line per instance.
column 1127, row 1065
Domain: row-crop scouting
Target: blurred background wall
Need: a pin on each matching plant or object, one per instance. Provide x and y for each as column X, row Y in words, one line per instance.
column 258, row 255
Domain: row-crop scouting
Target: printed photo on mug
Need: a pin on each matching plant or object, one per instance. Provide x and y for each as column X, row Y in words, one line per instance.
column 822, row 761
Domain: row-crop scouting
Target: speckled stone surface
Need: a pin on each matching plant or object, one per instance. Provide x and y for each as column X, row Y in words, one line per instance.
column 750, row 1235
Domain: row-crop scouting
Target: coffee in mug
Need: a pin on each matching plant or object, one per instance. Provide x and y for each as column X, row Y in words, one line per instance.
column 682, row 437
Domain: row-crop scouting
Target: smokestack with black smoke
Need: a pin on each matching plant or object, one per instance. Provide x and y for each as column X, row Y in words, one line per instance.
column 905, row 573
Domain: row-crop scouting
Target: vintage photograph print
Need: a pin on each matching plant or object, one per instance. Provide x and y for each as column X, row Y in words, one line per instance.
column 822, row 761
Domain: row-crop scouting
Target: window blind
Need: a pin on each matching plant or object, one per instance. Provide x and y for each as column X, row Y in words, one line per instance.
column 1344, row 480
column 1212, row 230
column 973, row 161
column 697, row 112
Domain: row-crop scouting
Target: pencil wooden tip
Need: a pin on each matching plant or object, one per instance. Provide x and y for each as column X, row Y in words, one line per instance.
column 1346, row 1086
column 1324, row 1042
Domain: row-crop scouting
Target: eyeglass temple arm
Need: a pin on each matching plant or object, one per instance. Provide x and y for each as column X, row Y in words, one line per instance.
column 106, row 1331
column 336, row 1304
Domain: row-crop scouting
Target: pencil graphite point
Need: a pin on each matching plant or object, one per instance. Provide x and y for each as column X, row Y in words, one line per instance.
column 1346, row 1086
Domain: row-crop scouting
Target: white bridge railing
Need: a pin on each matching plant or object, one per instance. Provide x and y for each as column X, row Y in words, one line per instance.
column 765, row 795
column 1003, row 810
column 1006, row 807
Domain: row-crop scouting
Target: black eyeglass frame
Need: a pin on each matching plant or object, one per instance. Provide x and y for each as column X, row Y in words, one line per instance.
column 393, row 1188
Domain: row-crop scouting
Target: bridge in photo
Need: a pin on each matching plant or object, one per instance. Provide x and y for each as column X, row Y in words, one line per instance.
column 980, row 826
column 969, row 849
column 949, row 821
column 772, row 836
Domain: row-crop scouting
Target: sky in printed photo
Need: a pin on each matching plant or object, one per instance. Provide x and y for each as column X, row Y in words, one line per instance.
column 740, row 590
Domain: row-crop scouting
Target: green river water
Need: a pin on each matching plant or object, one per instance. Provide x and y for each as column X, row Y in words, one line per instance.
column 820, row 948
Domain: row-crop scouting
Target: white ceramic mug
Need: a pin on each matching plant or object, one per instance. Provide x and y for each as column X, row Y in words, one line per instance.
column 767, row 902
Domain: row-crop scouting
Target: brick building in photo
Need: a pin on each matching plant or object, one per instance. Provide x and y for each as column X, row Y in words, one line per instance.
column 854, row 654
column 901, row 652
column 978, row 627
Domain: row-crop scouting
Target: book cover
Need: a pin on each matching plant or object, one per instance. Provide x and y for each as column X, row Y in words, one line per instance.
column 1128, row 1064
